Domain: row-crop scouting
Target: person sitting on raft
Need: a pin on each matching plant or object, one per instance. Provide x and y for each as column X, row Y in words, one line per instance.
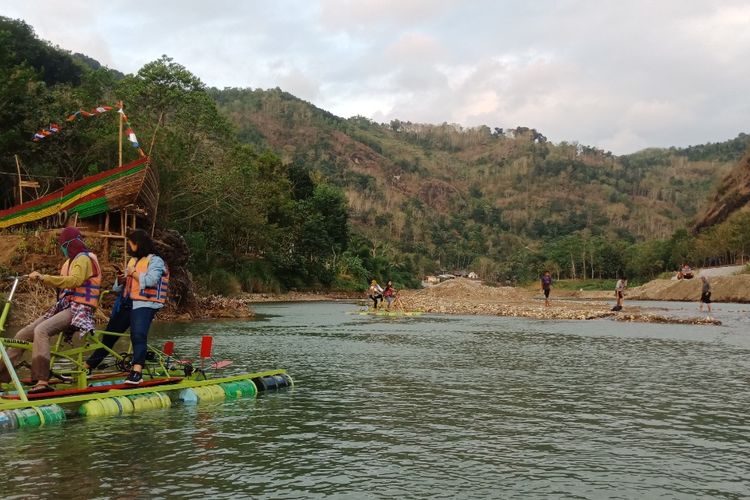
column 375, row 292
column 144, row 288
column 389, row 293
column 79, row 285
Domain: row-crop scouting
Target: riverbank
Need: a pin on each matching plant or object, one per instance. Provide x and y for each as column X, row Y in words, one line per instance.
column 462, row 296
column 723, row 289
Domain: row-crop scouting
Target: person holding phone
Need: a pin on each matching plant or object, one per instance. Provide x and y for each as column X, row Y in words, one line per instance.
column 143, row 289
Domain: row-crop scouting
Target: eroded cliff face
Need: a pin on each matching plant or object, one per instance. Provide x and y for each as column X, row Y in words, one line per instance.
column 733, row 194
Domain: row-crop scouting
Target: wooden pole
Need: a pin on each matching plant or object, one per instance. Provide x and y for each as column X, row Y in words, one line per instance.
column 123, row 230
column 20, row 189
column 153, row 220
column 153, row 138
column 119, row 140
column 106, row 231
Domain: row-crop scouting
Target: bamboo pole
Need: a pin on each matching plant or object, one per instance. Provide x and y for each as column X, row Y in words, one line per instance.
column 119, row 140
column 106, row 231
column 20, row 189
column 153, row 138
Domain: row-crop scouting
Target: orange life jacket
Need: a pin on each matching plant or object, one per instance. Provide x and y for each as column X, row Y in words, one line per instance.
column 158, row 293
column 88, row 292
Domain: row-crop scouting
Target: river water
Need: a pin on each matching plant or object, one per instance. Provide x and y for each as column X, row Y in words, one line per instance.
column 426, row 407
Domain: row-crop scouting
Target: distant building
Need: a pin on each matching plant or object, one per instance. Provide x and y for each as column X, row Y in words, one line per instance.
column 473, row 276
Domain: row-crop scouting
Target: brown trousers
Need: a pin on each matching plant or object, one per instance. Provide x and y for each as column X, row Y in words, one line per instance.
column 39, row 332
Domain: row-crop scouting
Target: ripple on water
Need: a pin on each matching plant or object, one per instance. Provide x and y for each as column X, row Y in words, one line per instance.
column 430, row 407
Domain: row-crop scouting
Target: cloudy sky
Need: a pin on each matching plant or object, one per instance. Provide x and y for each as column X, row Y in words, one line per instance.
column 620, row 75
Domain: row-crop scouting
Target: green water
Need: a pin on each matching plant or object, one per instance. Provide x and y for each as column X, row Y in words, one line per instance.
column 425, row 407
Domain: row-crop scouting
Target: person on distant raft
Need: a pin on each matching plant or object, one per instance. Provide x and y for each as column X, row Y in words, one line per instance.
column 143, row 289
column 389, row 293
column 375, row 292
column 546, row 286
column 705, row 294
column 79, row 285
column 620, row 287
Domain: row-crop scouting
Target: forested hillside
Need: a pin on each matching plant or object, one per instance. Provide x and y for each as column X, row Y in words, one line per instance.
column 273, row 193
column 504, row 202
column 251, row 222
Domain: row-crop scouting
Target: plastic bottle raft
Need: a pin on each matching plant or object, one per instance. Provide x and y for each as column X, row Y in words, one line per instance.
column 106, row 401
column 396, row 313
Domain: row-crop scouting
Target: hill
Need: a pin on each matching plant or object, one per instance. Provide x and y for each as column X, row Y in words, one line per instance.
column 455, row 195
column 273, row 193
column 731, row 195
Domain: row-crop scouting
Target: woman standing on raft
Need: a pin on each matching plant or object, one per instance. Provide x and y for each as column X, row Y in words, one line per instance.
column 144, row 287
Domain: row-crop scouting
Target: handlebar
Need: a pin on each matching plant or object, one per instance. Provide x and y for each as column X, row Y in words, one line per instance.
column 20, row 277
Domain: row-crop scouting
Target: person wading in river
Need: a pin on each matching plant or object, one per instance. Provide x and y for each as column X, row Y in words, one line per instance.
column 546, row 286
column 705, row 295
column 620, row 287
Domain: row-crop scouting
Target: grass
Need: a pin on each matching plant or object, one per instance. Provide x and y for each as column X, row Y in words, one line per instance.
column 588, row 285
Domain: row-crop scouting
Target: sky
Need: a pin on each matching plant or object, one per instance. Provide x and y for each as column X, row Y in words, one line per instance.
column 618, row 75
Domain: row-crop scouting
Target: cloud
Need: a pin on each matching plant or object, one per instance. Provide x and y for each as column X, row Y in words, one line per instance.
column 618, row 75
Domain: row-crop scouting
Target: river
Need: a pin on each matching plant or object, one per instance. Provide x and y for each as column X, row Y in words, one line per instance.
column 426, row 407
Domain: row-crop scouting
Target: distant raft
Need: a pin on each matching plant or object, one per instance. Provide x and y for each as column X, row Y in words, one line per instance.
column 380, row 312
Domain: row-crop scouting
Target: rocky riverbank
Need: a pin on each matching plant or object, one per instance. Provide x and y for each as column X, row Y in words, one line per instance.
column 462, row 296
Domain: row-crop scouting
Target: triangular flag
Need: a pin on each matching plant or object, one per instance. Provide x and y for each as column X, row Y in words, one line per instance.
column 131, row 137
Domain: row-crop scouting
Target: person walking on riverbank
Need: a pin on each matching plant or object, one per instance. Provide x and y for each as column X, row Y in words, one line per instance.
column 620, row 287
column 546, row 286
column 143, row 288
column 705, row 295
column 78, row 287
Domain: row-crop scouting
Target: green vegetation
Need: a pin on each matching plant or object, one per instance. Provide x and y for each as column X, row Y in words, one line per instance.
column 272, row 193
column 588, row 285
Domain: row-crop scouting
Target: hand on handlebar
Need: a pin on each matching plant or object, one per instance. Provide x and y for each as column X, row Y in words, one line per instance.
column 35, row 275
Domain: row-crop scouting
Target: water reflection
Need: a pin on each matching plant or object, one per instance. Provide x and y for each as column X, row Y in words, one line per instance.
column 426, row 407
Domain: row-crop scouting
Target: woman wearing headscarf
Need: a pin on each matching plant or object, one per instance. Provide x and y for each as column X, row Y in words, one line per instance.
column 143, row 289
column 78, row 285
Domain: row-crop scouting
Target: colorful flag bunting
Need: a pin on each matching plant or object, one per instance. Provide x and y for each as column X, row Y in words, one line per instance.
column 56, row 127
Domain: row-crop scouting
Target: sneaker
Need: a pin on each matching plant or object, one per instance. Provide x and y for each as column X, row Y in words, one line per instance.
column 134, row 378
